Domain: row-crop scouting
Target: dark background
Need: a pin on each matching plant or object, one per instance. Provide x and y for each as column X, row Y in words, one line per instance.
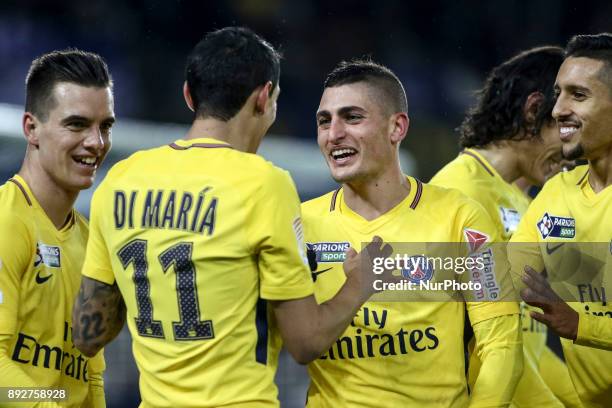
column 441, row 50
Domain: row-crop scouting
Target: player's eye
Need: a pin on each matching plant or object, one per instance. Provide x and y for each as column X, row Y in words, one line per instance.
column 579, row 96
column 106, row 127
column 322, row 121
column 76, row 125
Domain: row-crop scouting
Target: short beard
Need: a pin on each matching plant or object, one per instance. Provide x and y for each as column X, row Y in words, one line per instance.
column 574, row 154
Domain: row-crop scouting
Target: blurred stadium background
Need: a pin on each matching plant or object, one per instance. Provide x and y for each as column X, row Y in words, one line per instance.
column 440, row 49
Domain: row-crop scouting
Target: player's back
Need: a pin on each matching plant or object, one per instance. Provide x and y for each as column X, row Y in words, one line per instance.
column 183, row 239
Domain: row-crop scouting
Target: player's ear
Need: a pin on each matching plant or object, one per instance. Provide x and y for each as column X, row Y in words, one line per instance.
column 532, row 105
column 187, row 96
column 30, row 126
column 263, row 95
column 399, row 127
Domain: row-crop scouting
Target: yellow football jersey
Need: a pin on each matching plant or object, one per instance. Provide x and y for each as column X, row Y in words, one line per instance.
column 194, row 234
column 505, row 203
column 396, row 354
column 474, row 176
column 39, row 280
column 565, row 214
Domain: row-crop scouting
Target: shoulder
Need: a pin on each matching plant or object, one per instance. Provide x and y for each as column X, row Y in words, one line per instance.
column 320, row 205
column 14, row 208
column 437, row 197
column 566, row 179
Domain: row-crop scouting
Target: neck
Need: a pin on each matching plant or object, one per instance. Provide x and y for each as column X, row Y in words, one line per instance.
column 55, row 201
column 503, row 159
column 600, row 172
column 234, row 132
column 374, row 197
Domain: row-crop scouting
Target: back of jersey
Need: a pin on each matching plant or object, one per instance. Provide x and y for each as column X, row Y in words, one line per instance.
column 195, row 233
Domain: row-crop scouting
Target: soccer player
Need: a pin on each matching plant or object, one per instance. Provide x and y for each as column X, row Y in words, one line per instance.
column 576, row 207
column 511, row 134
column 188, row 236
column 397, row 354
column 67, row 125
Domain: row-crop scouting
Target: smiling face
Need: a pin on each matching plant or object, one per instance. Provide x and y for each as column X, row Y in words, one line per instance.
column 583, row 110
column 357, row 137
column 72, row 142
column 542, row 157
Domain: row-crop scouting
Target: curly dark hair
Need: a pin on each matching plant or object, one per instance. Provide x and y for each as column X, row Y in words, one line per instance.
column 499, row 113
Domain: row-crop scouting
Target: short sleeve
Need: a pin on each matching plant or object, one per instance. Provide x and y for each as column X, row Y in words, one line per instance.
column 276, row 235
column 97, row 264
column 496, row 295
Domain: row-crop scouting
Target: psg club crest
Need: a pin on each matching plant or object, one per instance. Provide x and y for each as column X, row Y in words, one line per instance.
column 419, row 269
column 557, row 227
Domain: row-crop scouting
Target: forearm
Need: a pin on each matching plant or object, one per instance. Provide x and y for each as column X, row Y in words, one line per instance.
column 98, row 315
column 594, row 331
column 12, row 374
column 308, row 329
column 499, row 347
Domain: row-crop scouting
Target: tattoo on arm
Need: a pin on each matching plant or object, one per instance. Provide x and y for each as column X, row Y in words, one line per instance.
column 98, row 315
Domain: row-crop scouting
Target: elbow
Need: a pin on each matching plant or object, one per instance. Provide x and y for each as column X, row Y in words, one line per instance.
column 305, row 353
column 304, row 357
column 87, row 349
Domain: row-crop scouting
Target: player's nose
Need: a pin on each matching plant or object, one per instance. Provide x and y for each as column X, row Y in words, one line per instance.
column 337, row 130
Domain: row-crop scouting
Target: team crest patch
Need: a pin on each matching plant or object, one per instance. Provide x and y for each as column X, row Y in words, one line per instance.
column 329, row 251
column 419, row 269
column 557, row 227
column 475, row 239
column 48, row 255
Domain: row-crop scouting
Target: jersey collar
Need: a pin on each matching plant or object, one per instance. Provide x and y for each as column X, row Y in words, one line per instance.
column 202, row 142
column 33, row 202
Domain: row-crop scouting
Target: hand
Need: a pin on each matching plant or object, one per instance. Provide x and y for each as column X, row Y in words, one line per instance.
column 358, row 267
column 558, row 316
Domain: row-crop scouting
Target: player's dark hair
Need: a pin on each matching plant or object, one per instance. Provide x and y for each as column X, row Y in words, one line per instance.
column 224, row 69
column 597, row 46
column 70, row 65
column 372, row 73
column 499, row 112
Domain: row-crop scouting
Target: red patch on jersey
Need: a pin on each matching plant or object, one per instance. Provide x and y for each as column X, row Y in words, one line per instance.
column 475, row 239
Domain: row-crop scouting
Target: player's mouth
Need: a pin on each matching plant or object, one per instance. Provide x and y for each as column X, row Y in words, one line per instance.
column 342, row 155
column 567, row 130
column 90, row 162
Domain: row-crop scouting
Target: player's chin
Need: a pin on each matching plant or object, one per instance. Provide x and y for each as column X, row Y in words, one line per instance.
column 343, row 174
column 83, row 182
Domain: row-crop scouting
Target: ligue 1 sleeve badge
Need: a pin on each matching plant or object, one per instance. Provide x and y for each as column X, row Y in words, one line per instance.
column 475, row 239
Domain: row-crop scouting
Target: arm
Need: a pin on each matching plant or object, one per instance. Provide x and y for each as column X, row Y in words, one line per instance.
column 98, row 315
column 558, row 316
column 95, row 397
column 12, row 374
column 499, row 346
column 307, row 328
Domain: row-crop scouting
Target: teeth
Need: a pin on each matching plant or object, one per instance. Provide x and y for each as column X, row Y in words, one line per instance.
column 340, row 152
column 87, row 160
column 567, row 129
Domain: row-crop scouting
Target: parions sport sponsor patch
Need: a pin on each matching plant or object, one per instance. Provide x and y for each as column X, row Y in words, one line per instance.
column 329, row 251
column 556, row 227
